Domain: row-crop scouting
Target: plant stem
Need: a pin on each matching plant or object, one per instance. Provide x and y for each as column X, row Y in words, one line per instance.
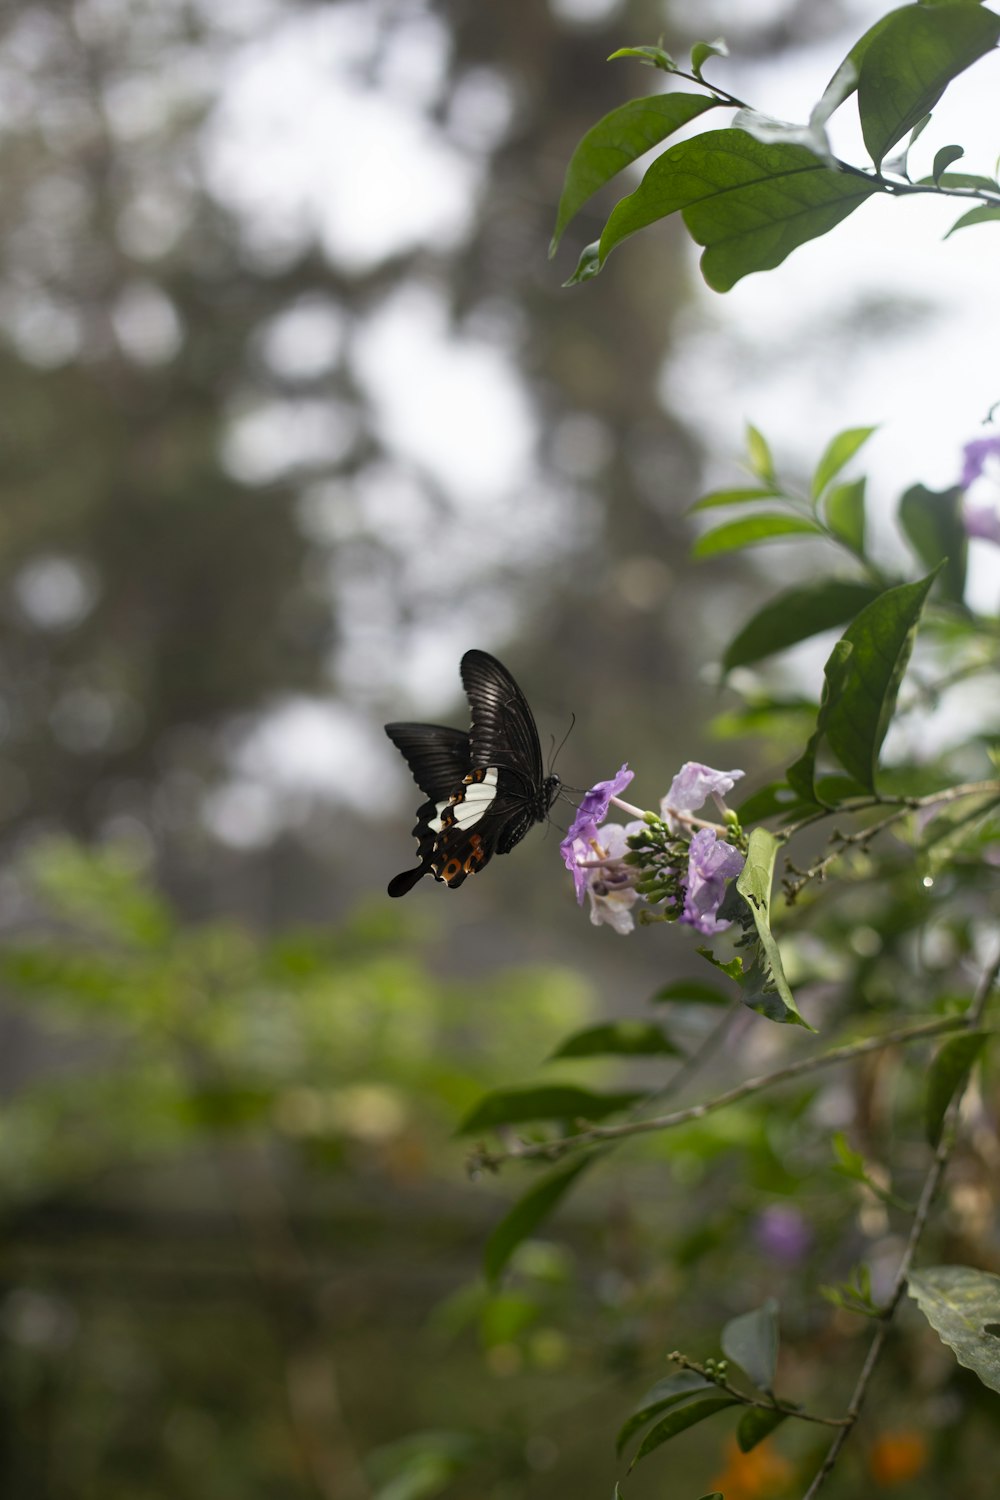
column 553, row 1150
column 932, row 1182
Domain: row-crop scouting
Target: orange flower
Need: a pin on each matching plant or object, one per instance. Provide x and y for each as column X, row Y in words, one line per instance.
column 897, row 1456
column 756, row 1475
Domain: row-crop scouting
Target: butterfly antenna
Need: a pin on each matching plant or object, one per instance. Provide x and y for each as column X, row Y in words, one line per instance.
column 556, row 752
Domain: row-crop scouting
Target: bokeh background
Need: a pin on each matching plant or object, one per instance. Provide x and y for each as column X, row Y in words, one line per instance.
column 293, row 410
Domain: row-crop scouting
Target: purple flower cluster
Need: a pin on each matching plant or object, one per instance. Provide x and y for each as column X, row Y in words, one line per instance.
column 674, row 860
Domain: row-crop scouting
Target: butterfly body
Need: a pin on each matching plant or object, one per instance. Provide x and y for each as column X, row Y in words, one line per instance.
column 485, row 788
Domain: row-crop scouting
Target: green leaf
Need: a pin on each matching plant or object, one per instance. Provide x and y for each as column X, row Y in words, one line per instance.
column 702, row 51
column 732, row 497
column 749, row 203
column 986, row 213
column 767, row 988
column 732, row 968
column 802, row 774
column 588, row 266
column 759, row 454
column 422, row 1465
column 770, row 131
column 882, row 639
column 528, row 1212
column 944, row 158
column 794, row 616
column 755, row 1425
column 616, row 141
column 844, row 512
column 691, row 991
column 752, row 531
column 962, row 180
column 679, row 1420
column 653, row 57
column 777, row 799
column 948, row 1076
column 664, row 1394
column 909, row 63
column 839, row 451
column 548, row 1102
column 620, row 1038
column 932, row 521
column 963, row 1308
column 751, row 1341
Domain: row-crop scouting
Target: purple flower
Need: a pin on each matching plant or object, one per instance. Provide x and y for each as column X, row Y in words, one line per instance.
column 691, row 788
column 783, row 1233
column 981, row 521
column 974, row 456
column 711, row 862
column 610, row 888
column 579, row 848
column 594, row 807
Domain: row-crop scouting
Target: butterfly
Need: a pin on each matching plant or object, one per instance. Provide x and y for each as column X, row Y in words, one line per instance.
column 485, row 788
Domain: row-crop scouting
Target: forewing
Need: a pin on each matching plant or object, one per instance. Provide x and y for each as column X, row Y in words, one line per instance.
column 438, row 756
column 503, row 730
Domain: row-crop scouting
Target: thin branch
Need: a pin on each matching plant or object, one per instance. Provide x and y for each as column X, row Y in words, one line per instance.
column 932, row 1182
column 904, row 804
column 741, row 1396
column 555, row 1149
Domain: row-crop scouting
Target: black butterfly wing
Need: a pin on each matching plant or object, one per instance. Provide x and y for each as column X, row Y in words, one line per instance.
column 503, row 730
column 438, row 756
column 504, row 735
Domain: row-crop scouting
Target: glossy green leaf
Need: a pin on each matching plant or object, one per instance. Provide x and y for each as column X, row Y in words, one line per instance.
column 986, row 213
column 588, row 266
column 616, row 141
column 948, row 1076
column 653, row 57
column 882, row 639
column 794, row 616
column 663, row 1395
column 751, row 1341
column 691, row 991
column 749, row 203
column 962, row 180
column 802, row 774
column 944, row 158
column 839, row 451
column 531, row 1210
column 755, row 1425
column 702, row 51
column 547, row 1102
column 759, row 454
column 777, row 799
column 844, row 513
column 679, row 1420
column 767, row 989
column 963, row 1307
column 618, row 1038
column 932, row 521
column 718, row 498
column 909, row 63
column 752, row 531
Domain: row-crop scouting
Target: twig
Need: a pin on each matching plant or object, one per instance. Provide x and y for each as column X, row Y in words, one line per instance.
column 741, row 1396
column 932, row 1182
column 553, row 1150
